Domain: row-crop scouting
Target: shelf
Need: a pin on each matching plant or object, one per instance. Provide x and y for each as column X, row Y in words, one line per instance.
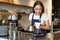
column 15, row 4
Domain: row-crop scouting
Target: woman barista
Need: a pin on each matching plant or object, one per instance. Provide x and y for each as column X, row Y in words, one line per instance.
column 38, row 15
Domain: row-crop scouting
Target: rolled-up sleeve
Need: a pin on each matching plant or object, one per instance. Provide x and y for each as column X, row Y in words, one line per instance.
column 46, row 18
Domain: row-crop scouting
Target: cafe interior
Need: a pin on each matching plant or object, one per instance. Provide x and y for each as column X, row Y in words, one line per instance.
column 9, row 30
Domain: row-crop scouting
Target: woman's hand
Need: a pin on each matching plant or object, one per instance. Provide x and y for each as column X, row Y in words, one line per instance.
column 25, row 28
column 46, row 27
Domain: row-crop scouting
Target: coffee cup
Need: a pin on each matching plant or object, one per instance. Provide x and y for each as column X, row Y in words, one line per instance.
column 37, row 25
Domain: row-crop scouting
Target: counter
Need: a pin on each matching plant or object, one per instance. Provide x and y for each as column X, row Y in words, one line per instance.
column 29, row 36
column 26, row 35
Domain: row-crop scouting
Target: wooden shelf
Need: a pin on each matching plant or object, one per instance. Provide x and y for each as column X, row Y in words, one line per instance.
column 15, row 4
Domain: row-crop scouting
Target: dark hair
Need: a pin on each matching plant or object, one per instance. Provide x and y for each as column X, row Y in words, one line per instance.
column 38, row 3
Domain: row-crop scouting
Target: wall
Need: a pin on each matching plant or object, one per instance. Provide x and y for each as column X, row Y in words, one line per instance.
column 49, row 10
column 24, row 2
column 13, row 8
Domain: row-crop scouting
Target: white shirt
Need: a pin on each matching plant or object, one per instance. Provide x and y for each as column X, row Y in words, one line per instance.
column 43, row 17
column 13, row 17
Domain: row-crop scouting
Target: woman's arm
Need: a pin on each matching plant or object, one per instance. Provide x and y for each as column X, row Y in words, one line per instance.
column 47, row 26
column 30, row 23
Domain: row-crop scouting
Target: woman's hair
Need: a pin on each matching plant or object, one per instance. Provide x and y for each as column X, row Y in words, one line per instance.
column 38, row 3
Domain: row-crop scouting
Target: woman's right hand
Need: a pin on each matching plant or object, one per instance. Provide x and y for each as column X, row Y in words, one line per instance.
column 25, row 28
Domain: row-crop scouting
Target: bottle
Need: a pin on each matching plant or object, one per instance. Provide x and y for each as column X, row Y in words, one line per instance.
column 30, row 28
column 3, row 22
column 10, row 32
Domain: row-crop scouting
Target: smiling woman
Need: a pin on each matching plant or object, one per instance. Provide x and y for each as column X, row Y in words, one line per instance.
column 39, row 17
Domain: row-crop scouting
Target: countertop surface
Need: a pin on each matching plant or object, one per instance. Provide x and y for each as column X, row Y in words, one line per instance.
column 29, row 36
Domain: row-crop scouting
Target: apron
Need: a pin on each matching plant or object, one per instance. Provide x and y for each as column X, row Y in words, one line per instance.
column 40, row 31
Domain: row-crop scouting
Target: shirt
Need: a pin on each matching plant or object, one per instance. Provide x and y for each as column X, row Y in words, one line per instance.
column 12, row 17
column 44, row 17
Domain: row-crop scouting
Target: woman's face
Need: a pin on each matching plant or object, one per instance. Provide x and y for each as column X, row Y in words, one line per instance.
column 38, row 9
